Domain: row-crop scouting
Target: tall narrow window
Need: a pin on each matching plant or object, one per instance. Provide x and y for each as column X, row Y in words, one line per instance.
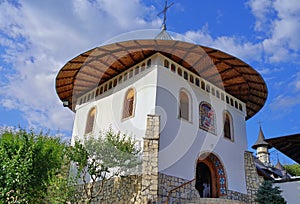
column 90, row 121
column 228, row 126
column 184, row 105
column 207, row 117
column 149, row 63
column 128, row 106
column 166, row 64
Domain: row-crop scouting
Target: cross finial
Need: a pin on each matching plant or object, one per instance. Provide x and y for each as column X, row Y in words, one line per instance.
column 164, row 11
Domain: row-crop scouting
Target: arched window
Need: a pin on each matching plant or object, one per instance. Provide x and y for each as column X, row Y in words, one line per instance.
column 185, row 75
column 149, row 63
column 207, row 117
column 179, row 71
column 203, row 85
column 143, row 67
column 166, row 64
column 197, row 82
column 90, row 121
column 128, row 105
column 184, row 105
column 228, row 127
column 173, row 67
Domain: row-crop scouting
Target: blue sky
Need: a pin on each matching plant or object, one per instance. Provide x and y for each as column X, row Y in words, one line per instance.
column 38, row 37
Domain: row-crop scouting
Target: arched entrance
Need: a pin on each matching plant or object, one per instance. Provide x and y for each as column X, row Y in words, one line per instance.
column 203, row 180
column 210, row 177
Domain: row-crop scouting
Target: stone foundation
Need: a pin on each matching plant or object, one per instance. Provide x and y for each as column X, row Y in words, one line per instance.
column 188, row 194
column 167, row 183
column 237, row 196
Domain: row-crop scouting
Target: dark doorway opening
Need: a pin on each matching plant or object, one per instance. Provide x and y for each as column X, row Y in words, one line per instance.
column 203, row 180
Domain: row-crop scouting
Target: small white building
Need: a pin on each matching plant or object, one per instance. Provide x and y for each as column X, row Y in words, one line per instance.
column 193, row 100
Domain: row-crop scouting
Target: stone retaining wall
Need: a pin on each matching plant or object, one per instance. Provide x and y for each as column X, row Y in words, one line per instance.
column 167, row 183
column 237, row 196
column 119, row 190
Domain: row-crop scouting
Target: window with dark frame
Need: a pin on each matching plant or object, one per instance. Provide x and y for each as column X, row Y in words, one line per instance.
column 128, row 106
column 227, row 126
column 184, row 105
column 90, row 121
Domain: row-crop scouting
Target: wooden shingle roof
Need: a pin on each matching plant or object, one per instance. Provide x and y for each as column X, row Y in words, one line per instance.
column 288, row 145
column 96, row 66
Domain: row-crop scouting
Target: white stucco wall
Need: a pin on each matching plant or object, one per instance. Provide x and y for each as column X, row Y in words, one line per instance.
column 181, row 141
column 110, row 106
column 290, row 191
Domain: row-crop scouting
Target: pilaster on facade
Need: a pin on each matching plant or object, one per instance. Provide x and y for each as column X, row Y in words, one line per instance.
column 150, row 159
column 253, row 180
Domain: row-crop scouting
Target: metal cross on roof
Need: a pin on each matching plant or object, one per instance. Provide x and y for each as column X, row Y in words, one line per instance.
column 164, row 11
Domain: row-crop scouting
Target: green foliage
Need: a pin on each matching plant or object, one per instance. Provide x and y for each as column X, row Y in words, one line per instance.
column 103, row 157
column 293, row 169
column 267, row 194
column 30, row 163
column 36, row 167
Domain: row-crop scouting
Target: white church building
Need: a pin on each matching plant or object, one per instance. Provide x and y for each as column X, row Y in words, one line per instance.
column 187, row 104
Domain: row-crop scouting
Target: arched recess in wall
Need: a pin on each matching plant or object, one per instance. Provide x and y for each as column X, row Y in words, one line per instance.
column 207, row 117
column 211, row 181
column 228, row 126
column 90, row 122
column 185, row 104
column 129, row 104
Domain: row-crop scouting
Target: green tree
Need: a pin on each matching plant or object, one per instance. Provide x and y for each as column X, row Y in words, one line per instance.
column 293, row 169
column 31, row 164
column 103, row 157
column 267, row 194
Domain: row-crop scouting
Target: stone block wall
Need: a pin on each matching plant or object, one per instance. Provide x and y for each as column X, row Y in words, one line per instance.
column 253, row 180
column 150, row 160
column 119, row 190
column 167, row 183
column 187, row 193
column 237, row 196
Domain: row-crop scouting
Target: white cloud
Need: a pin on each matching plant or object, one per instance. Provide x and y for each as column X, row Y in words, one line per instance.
column 39, row 37
column 232, row 45
column 261, row 9
column 280, row 21
column 284, row 102
column 296, row 82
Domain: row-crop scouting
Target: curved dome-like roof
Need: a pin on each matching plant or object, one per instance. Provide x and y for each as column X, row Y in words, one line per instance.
column 96, row 66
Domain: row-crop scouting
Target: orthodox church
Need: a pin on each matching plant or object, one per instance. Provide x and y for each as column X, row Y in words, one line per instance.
column 187, row 104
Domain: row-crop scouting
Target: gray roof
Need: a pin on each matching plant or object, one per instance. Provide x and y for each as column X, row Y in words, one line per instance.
column 279, row 166
column 260, row 142
column 163, row 35
column 270, row 172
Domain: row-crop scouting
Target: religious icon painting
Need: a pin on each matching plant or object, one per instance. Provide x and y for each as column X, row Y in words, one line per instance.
column 207, row 117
